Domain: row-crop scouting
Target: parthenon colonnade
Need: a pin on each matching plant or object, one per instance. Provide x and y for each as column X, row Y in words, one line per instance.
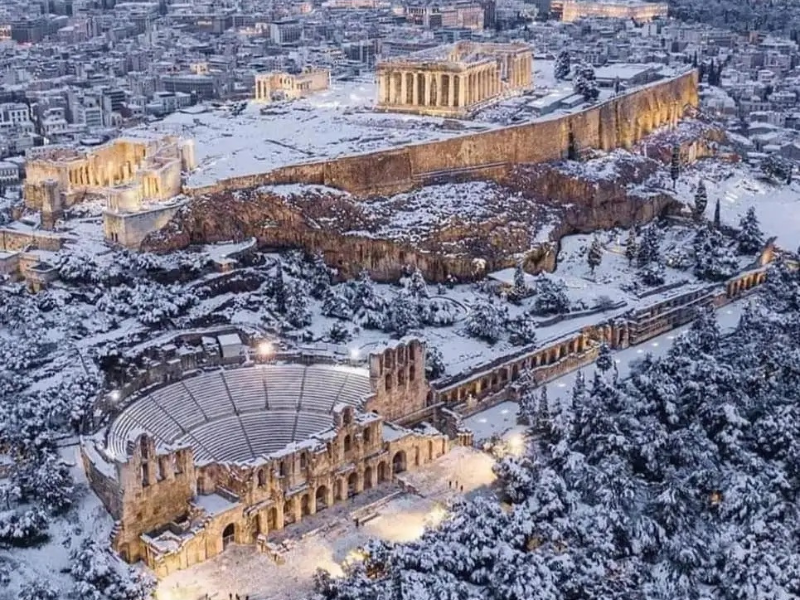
column 459, row 79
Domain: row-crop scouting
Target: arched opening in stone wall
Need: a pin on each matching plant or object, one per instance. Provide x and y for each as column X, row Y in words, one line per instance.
column 348, row 443
column 339, row 490
column 272, row 519
column 322, row 498
column 262, row 477
column 416, row 457
column 382, row 475
column 352, row 485
column 399, row 462
column 228, row 535
column 430, row 450
column 288, row 512
column 368, row 478
column 305, row 505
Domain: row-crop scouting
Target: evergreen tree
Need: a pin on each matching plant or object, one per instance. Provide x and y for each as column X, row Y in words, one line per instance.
column 700, row 200
column 562, row 66
column 336, row 304
column 650, row 247
column 417, row 286
column 750, row 239
column 522, row 330
column 402, row 314
column 297, row 312
column 319, row 276
column 675, row 165
column 279, row 289
column 713, row 259
column 595, row 255
column 543, row 411
column 338, row 333
column 717, row 221
column 485, row 321
column 585, row 83
column 652, row 274
column 434, row 363
column 369, row 306
column 551, row 297
column 604, row 361
column 631, row 246
column 520, row 289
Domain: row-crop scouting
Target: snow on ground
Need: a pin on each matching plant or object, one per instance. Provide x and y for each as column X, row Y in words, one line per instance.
column 501, row 418
column 738, row 187
column 336, row 122
column 330, row 537
column 88, row 519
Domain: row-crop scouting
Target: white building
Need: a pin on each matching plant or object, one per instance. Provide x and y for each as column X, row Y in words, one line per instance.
column 9, row 173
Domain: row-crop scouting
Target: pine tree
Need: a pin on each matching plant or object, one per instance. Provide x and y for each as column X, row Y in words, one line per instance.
column 543, row 411
column 595, row 255
column 713, row 259
column 700, row 200
column 649, row 250
column 585, row 83
column 604, row 361
column 279, row 289
column 717, row 221
column 319, row 276
column 402, row 314
column 434, row 363
column 297, row 312
column 551, row 297
column 520, row 286
column 675, row 165
column 522, row 330
column 562, row 66
column 417, row 286
column 485, row 321
column 750, row 239
column 336, row 304
column 631, row 246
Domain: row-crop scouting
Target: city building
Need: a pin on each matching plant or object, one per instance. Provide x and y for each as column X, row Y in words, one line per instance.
column 289, row 86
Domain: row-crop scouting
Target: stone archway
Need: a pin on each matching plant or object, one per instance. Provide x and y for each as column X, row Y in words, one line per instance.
column 272, row 519
column 305, row 505
column 382, row 474
column 416, row 456
column 288, row 512
column 368, row 478
column 352, row 485
column 399, row 462
column 322, row 498
column 228, row 535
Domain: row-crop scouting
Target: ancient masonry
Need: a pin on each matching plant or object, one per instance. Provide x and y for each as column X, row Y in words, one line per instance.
column 290, row 86
column 453, row 80
column 251, row 450
column 126, row 172
column 617, row 9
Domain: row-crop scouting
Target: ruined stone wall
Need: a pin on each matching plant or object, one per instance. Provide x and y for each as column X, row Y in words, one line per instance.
column 397, row 376
column 17, row 240
column 618, row 122
column 129, row 229
column 106, row 487
column 156, row 489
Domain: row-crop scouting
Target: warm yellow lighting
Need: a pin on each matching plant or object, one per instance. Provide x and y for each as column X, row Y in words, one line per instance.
column 516, row 445
column 437, row 515
column 265, row 349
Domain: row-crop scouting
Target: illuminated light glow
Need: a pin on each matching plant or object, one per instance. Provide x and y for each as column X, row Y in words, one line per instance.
column 640, row 351
column 655, row 344
column 482, row 420
column 516, row 445
column 504, row 411
column 562, row 384
column 670, row 337
column 618, row 361
column 265, row 349
column 115, row 395
column 355, row 353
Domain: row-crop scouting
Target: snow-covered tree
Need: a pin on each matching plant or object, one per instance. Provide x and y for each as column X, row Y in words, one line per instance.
column 485, row 321
column 522, row 330
column 562, row 65
column 319, row 276
column 438, row 312
column 777, row 168
column 37, row 590
column 543, row 411
column 278, row 288
column 369, row 306
column 99, row 576
column 604, row 360
column 402, row 314
column 675, row 165
column 24, row 527
column 700, row 200
column 297, row 311
column 717, row 218
column 585, row 83
column 713, row 259
column 650, row 247
column 520, row 288
column 551, row 296
column 338, row 333
column 416, row 285
column 594, row 255
column 631, row 246
column 337, row 304
column 750, row 239
column 434, row 363
column 45, row 480
column 652, row 274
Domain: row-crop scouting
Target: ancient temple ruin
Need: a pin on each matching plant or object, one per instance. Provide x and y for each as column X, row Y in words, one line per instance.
column 453, row 80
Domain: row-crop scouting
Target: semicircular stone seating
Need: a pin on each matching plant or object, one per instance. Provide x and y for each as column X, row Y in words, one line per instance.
column 237, row 415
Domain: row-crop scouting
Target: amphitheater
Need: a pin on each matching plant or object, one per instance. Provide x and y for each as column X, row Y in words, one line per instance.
column 203, row 455
column 241, row 414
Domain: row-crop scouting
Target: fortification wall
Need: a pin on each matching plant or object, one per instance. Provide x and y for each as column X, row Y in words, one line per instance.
column 618, row 122
column 17, row 240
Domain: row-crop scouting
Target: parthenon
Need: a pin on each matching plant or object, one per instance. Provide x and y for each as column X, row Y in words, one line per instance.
column 453, row 80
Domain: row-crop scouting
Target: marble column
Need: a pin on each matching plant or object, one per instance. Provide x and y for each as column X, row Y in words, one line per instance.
column 451, row 90
column 404, row 88
column 415, row 87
